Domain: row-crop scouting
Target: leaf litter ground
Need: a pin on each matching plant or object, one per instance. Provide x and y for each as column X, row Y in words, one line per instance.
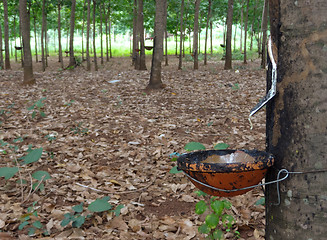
column 113, row 138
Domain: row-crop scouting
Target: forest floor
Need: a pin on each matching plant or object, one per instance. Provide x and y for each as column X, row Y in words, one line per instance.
column 105, row 135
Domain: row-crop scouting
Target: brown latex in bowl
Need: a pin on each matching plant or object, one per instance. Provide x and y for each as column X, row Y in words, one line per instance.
column 225, row 169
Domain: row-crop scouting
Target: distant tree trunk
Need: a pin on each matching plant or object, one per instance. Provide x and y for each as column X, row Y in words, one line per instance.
column 94, row 46
column 142, row 65
column 46, row 39
column 166, row 47
column 110, row 48
column 296, row 122
column 136, row 47
column 195, row 36
column 101, row 35
column 211, row 37
column 264, row 24
column 159, row 28
column 1, row 54
column 72, row 60
column 176, row 43
column 14, row 36
column 43, row 35
column 252, row 24
column 25, row 21
column 88, row 60
column 241, row 37
column 35, row 38
column 7, row 54
column 180, row 62
column 206, row 38
column 229, row 23
column 83, row 25
column 59, row 36
column 246, row 30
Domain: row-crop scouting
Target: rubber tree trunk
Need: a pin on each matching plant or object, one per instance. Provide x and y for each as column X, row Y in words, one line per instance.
column 59, row 36
column 207, row 30
column 180, row 61
column 7, row 54
column 196, row 33
column 246, row 30
column 94, row 45
column 136, row 47
column 1, row 54
column 296, row 122
column 229, row 23
column 72, row 60
column 88, row 23
column 42, row 36
column 25, row 27
column 140, row 20
column 35, row 38
column 159, row 29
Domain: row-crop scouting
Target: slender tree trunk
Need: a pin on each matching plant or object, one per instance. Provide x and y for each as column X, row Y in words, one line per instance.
column 136, row 47
column 46, row 40
column 14, row 35
column 94, row 46
column 211, row 37
column 88, row 60
column 264, row 24
column 166, row 47
column 1, row 54
column 101, row 35
column 7, row 54
column 176, row 43
column 241, row 37
column 234, row 45
column 229, row 23
column 180, row 62
column 296, row 122
column 195, row 37
column 72, row 60
column 83, row 25
column 252, row 24
column 106, row 35
column 206, row 38
column 35, row 38
column 142, row 65
column 43, row 36
column 246, row 30
column 28, row 63
column 59, row 36
column 159, row 29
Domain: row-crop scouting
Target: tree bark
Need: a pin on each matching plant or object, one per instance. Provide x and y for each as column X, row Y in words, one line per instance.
column 83, row 25
column 101, row 34
column 28, row 63
column 88, row 60
column 1, row 54
column 229, row 23
column 264, row 24
column 140, row 20
column 136, row 47
column 159, row 29
column 180, row 61
column 211, row 46
column 246, row 30
column 59, row 36
column 7, row 54
column 296, row 122
column 206, row 38
column 35, row 38
column 72, row 60
column 43, row 36
column 94, row 45
column 241, row 27
column 195, row 36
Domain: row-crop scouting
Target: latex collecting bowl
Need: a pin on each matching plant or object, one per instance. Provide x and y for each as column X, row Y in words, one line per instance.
column 223, row 172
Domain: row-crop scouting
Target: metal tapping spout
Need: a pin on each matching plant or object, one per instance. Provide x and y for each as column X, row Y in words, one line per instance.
column 272, row 92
